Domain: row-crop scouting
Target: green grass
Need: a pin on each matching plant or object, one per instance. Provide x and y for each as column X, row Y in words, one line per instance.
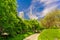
column 50, row 34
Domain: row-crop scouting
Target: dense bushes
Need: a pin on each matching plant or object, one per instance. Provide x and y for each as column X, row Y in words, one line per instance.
column 50, row 34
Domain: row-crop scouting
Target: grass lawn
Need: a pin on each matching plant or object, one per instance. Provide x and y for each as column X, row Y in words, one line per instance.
column 50, row 34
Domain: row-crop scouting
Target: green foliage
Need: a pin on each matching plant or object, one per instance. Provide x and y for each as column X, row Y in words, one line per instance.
column 13, row 25
column 18, row 28
column 33, row 25
column 8, row 17
column 18, row 36
column 50, row 34
column 21, row 36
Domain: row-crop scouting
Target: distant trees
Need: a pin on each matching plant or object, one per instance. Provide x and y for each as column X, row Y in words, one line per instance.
column 32, row 25
column 52, row 20
column 35, row 25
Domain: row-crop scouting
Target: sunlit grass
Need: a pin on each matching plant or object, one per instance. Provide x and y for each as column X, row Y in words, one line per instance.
column 50, row 34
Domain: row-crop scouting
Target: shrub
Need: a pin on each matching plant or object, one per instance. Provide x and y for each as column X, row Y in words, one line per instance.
column 50, row 34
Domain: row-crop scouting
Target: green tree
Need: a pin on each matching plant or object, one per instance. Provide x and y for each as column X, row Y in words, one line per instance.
column 8, row 15
column 35, row 25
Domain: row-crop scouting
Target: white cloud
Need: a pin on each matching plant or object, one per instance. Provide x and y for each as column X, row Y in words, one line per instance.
column 49, row 6
column 48, row 9
column 21, row 14
column 33, row 17
column 30, row 12
column 48, row 1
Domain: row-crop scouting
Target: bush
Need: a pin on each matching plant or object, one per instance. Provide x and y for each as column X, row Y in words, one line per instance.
column 50, row 34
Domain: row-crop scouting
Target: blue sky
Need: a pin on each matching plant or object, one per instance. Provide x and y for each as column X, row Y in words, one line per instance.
column 23, row 4
column 37, row 8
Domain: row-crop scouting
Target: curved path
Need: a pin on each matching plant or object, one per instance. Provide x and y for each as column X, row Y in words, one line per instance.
column 33, row 37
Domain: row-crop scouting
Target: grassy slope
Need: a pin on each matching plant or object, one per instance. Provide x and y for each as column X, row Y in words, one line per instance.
column 50, row 34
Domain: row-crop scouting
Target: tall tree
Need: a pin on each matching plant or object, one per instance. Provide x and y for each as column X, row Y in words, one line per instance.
column 8, row 12
column 52, row 19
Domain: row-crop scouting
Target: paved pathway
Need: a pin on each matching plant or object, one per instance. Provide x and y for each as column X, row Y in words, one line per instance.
column 33, row 37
